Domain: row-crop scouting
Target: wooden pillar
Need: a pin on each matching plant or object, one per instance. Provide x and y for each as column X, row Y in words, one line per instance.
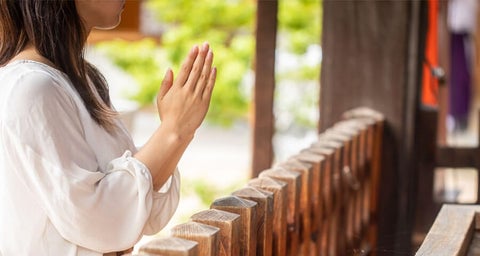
column 371, row 58
column 263, row 125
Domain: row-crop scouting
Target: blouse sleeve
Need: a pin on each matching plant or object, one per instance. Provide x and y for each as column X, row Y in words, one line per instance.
column 45, row 143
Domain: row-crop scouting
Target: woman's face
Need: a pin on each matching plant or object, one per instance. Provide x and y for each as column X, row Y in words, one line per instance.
column 103, row 14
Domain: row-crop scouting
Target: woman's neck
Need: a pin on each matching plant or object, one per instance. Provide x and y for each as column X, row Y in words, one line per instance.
column 30, row 53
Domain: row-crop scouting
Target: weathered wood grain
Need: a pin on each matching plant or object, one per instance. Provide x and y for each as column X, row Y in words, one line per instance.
column 247, row 211
column 170, row 246
column 307, row 246
column 229, row 225
column 451, row 232
column 279, row 190
column 294, row 183
column 206, row 236
column 264, row 225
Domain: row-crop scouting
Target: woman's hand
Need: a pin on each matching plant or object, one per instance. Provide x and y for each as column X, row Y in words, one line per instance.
column 183, row 103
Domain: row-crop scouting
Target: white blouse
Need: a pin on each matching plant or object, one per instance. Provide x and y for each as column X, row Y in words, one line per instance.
column 68, row 187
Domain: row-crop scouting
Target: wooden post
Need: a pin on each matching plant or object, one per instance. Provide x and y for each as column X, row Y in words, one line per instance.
column 336, row 238
column 170, row 246
column 365, row 127
column 247, row 211
column 352, row 180
column 305, row 210
column 327, row 194
column 375, row 120
column 279, row 190
column 229, row 225
column 263, row 126
column 352, row 130
column 264, row 200
column 294, row 183
column 206, row 236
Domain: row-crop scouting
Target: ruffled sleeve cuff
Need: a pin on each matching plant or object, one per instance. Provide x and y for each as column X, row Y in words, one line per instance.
column 164, row 202
column 135, row 168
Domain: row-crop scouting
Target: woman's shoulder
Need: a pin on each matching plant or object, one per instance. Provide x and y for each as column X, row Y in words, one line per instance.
column 26, row 84
column 27, row 77
column 21, row 69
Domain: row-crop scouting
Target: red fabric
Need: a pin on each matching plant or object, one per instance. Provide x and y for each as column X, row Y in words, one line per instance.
column 429, row 82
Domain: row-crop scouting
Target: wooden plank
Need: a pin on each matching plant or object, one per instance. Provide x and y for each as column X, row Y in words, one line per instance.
column 474, row 248
column 229, row 225
column 263, row 125
column 336, row 236
column 327, row 194
column 247, row 211
column 373, row 162
column 170, row 246
column 294, row 183
column 206, row 236
column 457, row 157
column 356, row 130
column 350, row 173
column 306, row 202
column 264, row 200
column 376, row 168
column 451, row 232
column 346, row 172
column 313, row 166
column 367, row 172
column 279, row 190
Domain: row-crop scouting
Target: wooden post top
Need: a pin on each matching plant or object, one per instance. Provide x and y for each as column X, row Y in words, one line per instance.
column 364, row 112
column 170, row 246
column 196, row 228
column 215, row 214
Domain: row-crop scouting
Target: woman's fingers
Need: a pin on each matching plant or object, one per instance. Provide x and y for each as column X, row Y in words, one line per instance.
column 166, row 83
column 197, row 68
column 186, row 68
column 207, row 93
column 203, row 79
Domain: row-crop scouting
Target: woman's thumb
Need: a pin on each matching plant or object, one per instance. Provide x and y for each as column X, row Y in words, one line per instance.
column 166, row 83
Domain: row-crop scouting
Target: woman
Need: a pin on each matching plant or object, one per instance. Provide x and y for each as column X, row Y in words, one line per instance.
column 71, row 180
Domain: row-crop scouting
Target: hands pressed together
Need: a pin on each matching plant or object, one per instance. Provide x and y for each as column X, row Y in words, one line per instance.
column 182, row 105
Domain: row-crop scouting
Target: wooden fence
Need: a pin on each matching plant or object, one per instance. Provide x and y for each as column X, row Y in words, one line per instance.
column 321, row 201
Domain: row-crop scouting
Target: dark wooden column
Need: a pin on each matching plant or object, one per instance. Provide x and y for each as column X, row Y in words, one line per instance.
column 371, row 58
column 263, row 125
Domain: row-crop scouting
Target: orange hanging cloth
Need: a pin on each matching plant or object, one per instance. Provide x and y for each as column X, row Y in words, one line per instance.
column 429, row 81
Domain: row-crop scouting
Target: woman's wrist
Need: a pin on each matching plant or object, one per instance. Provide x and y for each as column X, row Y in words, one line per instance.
column 174, row 133
column 162, row 153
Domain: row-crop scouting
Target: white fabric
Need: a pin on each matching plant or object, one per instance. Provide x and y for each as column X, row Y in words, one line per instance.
column 67, row 187
column 462, row 16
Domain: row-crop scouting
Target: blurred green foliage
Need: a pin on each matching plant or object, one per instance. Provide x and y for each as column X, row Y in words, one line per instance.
column 228, row 26
column 300, row 22
column 142, row 60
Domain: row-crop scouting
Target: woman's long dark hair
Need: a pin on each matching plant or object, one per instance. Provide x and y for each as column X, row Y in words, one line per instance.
column 56, row 30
